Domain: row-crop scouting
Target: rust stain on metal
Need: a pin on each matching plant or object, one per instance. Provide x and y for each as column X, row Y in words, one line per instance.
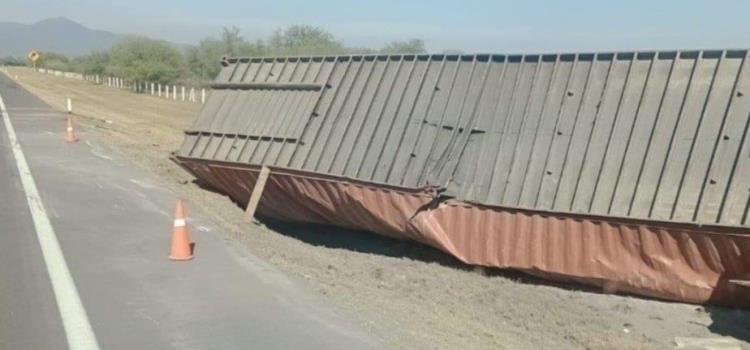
column 683, row 262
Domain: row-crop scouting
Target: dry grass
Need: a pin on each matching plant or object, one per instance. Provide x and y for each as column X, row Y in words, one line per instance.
column 407, row 295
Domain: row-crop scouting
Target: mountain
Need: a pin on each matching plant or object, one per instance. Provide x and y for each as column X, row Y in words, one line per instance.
column 60, row 35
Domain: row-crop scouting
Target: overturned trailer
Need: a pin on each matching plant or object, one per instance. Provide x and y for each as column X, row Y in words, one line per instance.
column 629, row 171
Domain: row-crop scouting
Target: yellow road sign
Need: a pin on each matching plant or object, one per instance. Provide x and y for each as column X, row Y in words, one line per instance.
column 33, row 56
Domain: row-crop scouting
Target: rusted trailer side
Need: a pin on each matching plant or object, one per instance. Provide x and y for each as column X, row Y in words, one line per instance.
column 682, row 262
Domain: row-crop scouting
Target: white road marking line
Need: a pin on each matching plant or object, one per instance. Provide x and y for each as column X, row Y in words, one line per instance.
column 94, row 152
column 78, row 330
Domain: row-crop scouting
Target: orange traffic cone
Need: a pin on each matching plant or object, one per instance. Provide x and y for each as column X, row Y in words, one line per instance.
column 70, row 135
column 181, row 246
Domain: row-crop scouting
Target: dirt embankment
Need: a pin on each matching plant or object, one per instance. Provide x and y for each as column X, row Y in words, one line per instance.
column 411, row 296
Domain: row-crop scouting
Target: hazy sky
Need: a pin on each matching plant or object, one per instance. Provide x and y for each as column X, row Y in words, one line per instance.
column 472, row 26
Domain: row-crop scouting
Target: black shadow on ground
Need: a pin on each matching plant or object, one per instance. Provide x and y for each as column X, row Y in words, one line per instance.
column 730, row 322
column 371, row 243
column 362, row 242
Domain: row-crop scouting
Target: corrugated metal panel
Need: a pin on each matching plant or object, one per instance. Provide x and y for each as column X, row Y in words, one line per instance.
column 648, row 135
column 653, row 135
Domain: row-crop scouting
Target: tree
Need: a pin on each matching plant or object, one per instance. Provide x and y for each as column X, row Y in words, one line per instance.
column 232, row 41
column 140, row 58
column 413, row 46
column 304, row 40
column 256, row 49
column 453, row 52
column 12, row 61
column 143, row 59
column 93, row 63
column 203, row 60
column 51, row 60
column 361, row 51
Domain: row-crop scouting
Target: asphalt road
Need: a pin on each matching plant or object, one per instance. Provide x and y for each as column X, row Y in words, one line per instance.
column 113, row 222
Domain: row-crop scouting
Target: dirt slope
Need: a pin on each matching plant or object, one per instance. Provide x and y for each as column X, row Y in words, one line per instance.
column 411, row 296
